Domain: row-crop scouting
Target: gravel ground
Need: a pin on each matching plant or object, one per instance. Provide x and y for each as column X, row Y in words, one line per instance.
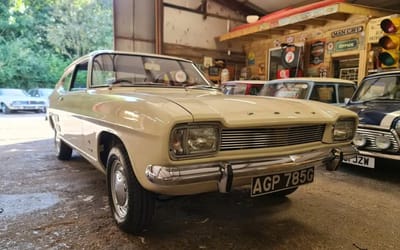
column 49, row 204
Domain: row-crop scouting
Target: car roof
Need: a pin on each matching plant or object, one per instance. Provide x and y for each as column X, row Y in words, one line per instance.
column 99, row 52
column 383, row 73
column 293, row 79
column 244, row 82
column 313, row 79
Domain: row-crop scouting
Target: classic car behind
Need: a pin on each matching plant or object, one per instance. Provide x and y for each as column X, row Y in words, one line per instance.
column 377, row 103
column 155, row 126
column 43, row 93
column 242, row 87
column 12, row 100
column 323, row 89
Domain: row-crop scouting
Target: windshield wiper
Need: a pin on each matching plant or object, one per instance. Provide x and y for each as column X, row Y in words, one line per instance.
column 202, row 86
column 381, row 98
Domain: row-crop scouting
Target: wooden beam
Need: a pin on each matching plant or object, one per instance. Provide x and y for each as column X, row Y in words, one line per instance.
column 298, row 22
column 364, row 10
column 314, row 22
column 292, row 27
column 335, row 17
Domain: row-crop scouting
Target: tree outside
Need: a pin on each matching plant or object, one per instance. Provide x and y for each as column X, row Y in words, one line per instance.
column 38, row 39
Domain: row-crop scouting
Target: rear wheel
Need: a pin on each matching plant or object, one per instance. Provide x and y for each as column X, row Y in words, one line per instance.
column 63, row 150
column 131, row 205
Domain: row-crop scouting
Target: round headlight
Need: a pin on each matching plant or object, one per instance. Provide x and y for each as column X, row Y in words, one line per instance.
column 359, row 140
column 397, row 127
column 382, row 142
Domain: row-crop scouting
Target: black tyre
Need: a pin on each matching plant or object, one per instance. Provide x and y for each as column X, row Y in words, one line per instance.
column 5, row 109
column 131, row 205
column 63, row 150
column 284, row 192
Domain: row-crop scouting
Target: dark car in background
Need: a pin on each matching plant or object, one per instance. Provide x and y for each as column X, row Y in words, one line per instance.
column 377, row 103
column 12, row 100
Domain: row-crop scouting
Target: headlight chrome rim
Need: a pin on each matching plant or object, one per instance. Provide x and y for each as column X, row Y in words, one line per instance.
column 194, row 140
column 397, row 126
column 382, row 142
column 344, row 130
column 359, row 140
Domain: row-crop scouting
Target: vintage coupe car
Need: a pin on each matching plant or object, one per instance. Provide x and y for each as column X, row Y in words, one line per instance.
column 18, row 100
column 155, row 126
column 377, row 103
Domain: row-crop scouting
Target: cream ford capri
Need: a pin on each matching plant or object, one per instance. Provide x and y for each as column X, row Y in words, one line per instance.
column 155, row 126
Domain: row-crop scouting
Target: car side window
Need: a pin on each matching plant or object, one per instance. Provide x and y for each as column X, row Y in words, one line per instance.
column 324, row 93
column 79, row 77
column 64, row 83
column 345, row 92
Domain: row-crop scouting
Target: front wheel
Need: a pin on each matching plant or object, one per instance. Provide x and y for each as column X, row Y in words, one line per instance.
column 131, row 205
column 63, row 150
column 5, row 109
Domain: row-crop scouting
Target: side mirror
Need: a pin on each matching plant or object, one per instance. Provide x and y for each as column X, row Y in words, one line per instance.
column 346, row 100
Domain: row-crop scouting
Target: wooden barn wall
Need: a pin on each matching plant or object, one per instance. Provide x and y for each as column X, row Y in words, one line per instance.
column 256, row 50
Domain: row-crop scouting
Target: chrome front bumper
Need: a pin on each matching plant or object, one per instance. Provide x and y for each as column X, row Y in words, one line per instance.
column 224, row 172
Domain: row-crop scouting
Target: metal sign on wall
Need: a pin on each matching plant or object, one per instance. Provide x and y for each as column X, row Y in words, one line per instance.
column 347, row 31
column 345, row 45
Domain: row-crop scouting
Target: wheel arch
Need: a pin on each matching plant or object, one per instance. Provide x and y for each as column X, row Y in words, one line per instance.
column 106, row 141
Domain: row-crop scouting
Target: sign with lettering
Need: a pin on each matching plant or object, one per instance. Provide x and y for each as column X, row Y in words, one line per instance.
column 317, row 52
column 347, row 31
column 351, row 44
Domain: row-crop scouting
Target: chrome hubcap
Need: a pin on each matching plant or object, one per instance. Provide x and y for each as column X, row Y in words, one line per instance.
column 119, row 189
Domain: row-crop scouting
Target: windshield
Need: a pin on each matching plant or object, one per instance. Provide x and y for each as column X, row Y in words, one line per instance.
column 296, row 90
column 144, row 70
column 384, row 87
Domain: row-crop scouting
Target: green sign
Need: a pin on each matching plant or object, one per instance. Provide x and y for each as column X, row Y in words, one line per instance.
column 351, row 44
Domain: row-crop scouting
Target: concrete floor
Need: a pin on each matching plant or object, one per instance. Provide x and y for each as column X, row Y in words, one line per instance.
column 49, row 204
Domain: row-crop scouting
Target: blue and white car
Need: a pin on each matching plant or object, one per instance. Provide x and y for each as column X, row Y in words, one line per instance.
column 12, row 100
column 377, row 103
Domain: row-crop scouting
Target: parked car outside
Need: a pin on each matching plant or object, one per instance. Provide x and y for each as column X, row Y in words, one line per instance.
column 242, row 87
column 43, row 93
column 12, row 100
column 155, row 126
column 377, row 103
column 329, row 90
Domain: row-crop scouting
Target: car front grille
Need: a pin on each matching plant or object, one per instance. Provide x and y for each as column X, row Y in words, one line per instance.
column 28, row 103
column 370, row 135
column 236, row 139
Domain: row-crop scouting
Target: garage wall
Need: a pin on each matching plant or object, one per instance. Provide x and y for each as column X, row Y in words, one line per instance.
column 187, row 31
column 134, row 25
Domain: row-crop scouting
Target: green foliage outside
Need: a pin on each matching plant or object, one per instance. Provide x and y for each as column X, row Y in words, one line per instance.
column 38, row 39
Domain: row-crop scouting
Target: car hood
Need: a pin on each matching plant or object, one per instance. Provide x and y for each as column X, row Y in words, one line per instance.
column 377, row 113
column 9, row 99
column 242, row 110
